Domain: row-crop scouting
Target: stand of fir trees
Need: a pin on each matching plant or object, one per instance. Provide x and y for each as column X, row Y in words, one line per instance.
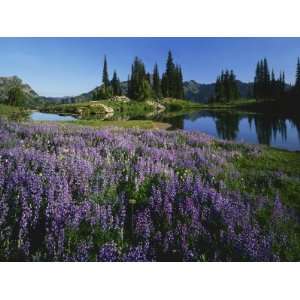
column 226, row 88
column 116, row 85
column 108, row 88
column 143, row 85
column 139, row 87
column 172, row 83
column 105, row 89
column 266, row 86
column 285, row 98
column 156, row 83
column 292, row 95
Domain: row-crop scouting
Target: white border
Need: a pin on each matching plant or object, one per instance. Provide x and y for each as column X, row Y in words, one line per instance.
column 149, row 281
column 149, row 18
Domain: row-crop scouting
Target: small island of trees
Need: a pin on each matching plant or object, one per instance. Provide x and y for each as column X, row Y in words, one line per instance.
column 142, row 85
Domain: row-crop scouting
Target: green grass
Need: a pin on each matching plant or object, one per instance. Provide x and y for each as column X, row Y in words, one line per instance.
column 132, row 109
column 239, row 103
column 91, row 109
column 125, row 110
column 184, row 105
column 12, row 112
column 73, row 108
column 178, row 104
column 273, row 172
column 142, row 124
column 8, row 109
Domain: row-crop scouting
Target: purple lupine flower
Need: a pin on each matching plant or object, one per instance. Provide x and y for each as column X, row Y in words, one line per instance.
column 62, row 186
column 136, row 254
column 143, row 224
column 109, row 253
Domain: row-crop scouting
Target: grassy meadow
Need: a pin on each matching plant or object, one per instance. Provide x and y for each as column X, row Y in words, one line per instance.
column 125, row 189
column 77, row 193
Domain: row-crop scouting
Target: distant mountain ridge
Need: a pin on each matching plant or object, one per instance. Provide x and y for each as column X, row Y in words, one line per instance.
column 199, row 92
column 193, row 91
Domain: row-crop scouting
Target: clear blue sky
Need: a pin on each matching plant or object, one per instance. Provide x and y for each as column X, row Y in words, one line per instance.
column 70, row 66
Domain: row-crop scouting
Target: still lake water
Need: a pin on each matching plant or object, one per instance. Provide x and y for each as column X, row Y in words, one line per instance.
column 273, row 130
column 40, row 116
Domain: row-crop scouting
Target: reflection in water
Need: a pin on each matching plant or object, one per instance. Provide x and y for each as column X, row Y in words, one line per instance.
column 266, row 126
column 227, row 126
column 269, row 129
column 259, row 128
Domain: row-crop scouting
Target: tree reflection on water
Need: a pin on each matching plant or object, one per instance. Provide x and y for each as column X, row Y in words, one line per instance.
column 268, row 127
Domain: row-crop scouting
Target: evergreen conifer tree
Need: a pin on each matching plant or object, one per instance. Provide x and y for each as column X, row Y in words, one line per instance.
column 266, row 79
column 180, row 94
column 233, row 86
column 226, row 88
column 263, row 84
column 116, row 85
column 297, row 83
column 274, row 85
column 281, row 85
column 177, row 91
column 172, row 80
column 283, row 81
column 156, row 86
column 128, row 87
column 140, row 88
column 164, row 85
column 105, row 90
column 169, row 77
column 218, row 89
column 105, row 77
column 256, row 87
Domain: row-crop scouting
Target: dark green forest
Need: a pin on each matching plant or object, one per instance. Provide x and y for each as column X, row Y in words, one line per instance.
column 267, row 88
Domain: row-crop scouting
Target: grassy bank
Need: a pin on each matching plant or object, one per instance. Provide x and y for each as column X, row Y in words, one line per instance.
column 12, row 112
column 287, row 107
column 73, row 108
column 131, row 108
column 142, row 124
column 8, row 109
column 185, row 105
column 274, row 172
column 240, row 103
column 98, row 109
column 181, row 105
